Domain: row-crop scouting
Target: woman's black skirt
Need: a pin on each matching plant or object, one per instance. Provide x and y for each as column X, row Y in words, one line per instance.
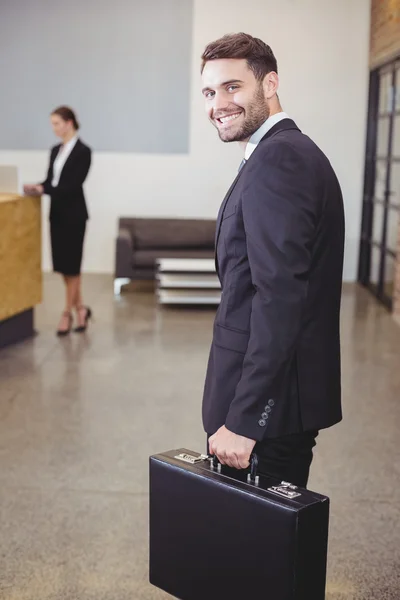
column 67, row 247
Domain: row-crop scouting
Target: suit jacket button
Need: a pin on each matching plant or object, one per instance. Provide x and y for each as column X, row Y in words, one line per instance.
column 265, row 415
column 262, row 422
column 271, row 402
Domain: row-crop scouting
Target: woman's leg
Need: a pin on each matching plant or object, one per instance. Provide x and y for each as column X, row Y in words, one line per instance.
column 70, row 282
column 81, row 310
column 78, row 293
column 65, row 321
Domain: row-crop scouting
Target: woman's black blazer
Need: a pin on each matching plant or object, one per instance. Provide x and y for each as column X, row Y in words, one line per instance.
column 68, row 203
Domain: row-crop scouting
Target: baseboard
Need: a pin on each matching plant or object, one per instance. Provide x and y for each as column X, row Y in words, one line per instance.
column 17, row 328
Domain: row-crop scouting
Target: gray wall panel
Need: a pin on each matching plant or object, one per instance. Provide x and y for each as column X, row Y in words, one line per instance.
column 124, row 65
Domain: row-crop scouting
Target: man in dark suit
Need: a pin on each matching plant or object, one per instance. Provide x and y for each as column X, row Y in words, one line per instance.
column 273, row 377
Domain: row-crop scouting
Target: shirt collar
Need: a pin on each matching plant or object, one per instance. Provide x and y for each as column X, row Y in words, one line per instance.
column 262, row 131
column 71, row 143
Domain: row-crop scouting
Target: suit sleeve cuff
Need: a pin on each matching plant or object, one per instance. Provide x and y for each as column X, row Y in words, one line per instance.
column 47, row 187
column 248, row 426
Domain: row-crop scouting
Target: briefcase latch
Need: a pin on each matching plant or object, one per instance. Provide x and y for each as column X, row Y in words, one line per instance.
column 190, row 458
column 285, row 489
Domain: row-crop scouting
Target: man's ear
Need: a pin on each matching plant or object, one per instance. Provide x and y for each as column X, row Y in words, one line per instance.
column 271, row 84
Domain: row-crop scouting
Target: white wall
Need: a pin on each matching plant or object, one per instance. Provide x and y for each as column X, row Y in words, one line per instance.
column 322, row 51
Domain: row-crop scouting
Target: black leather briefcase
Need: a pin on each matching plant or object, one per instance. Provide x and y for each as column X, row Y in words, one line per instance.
column 221, row 534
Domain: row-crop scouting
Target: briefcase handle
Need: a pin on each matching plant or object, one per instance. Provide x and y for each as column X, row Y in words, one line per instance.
column 252, row 476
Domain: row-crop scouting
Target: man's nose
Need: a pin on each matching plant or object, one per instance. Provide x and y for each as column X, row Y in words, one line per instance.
column 220, row 101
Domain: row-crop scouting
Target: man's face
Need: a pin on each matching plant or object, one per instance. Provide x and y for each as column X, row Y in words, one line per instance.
column 235, row 101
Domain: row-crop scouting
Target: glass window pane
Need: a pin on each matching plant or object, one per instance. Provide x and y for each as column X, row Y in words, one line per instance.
column 397, row 107
column 380, row 180
column 385, row 92
column 377, row 223
column 396, row 134
column 383, row 136
column 388, row 284
column 375, row 263
column 395, row 184
column 392, row 230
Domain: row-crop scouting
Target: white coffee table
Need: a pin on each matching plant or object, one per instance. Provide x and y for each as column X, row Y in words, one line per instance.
column 187, row 281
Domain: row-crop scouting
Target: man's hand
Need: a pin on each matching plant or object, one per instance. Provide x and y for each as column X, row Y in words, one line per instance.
column 231, row 449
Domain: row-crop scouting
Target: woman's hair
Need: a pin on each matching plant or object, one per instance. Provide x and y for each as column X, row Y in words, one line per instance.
column 259, row 56
column 67, row 114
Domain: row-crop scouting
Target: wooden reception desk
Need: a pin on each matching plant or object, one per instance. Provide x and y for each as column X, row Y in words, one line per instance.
column 20, row 265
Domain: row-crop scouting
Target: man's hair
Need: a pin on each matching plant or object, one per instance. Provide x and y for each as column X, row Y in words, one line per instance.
column 259, row 56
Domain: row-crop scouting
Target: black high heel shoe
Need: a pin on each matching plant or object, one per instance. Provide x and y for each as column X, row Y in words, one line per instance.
column 88, row 316
column 63, row 332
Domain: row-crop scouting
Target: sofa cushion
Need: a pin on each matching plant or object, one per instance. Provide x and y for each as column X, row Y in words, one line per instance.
column 147, row 258
column 173, row 233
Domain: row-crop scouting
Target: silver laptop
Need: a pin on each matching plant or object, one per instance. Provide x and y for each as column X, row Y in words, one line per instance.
column 8, row 179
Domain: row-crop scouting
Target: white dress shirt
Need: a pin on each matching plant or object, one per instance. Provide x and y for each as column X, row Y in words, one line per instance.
column 259, row 134
column 61, row 159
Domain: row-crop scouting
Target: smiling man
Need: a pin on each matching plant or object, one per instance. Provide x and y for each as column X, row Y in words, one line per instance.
column 273, row 377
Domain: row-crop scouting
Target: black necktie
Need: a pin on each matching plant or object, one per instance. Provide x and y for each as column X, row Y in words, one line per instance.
column 244, row 161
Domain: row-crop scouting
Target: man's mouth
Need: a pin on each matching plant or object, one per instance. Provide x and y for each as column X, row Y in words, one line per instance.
column 228, row 118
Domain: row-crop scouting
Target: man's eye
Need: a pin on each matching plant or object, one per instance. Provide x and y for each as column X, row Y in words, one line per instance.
column 209, row 94
column 231, row 88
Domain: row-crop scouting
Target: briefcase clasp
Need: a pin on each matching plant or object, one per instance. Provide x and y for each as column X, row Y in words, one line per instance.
column 190, row 458
column 285, row 489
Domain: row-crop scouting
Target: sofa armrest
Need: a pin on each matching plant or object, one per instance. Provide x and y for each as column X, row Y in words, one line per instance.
column 125, row 234
column 124, row 253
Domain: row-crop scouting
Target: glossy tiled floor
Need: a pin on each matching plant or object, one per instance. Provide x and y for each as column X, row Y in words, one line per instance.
column 80, row 416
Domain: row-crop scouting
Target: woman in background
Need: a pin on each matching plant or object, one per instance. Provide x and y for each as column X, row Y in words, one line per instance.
column 68, row 169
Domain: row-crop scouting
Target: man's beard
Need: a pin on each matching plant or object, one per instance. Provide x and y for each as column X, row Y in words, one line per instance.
column 256, row 113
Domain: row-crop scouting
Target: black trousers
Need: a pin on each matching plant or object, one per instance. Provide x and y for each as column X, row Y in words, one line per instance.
column 287, row 458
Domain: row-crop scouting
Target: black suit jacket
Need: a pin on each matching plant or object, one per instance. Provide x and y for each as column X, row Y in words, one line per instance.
column 68, row 203
column 274, row 366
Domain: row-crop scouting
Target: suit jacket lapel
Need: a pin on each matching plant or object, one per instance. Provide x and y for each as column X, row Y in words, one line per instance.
column 70, row 156
column 54, row 153
column 221, row 212
column 283, row 125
